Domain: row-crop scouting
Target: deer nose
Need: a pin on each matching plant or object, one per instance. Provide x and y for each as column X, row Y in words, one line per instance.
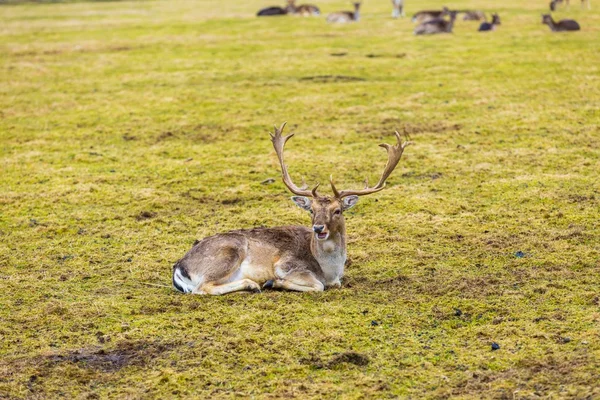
column 318, row 228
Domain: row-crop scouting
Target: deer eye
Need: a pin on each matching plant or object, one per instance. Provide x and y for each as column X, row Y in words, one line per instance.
column 337, row 212
column 311, row 211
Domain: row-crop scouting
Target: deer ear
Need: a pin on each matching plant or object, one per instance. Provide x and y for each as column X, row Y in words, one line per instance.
column 302, row 202
column 349, row 202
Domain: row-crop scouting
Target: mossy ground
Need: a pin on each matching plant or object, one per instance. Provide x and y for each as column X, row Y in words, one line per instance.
column 130, row 129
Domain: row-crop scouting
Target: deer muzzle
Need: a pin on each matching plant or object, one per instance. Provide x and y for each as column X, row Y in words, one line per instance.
column 320, row 232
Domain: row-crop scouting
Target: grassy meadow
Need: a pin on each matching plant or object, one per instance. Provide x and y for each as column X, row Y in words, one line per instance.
column 130, row 129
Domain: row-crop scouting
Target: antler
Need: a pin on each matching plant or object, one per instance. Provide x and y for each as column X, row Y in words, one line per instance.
column 394, row 154
column 279, row 143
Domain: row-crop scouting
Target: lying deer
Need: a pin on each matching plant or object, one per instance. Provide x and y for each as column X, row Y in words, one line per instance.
column 307, row 10
column 474, row 16
column 560, row 26
column 398, row 8
column 424, row 16
column 438, row 25
column 555, row 3
column 487, row 26
column 345, row 16
column 288, row 257
column 271, row 11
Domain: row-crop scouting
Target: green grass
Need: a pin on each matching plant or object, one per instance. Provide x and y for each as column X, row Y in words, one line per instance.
column 130, row 129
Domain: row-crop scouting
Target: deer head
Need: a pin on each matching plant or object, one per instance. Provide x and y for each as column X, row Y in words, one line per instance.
column 327, row 211
column 547, row 19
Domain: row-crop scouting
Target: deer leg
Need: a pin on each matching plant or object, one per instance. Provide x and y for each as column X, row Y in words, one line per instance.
column 336, row 284
column 299, row 281
column 235, row 286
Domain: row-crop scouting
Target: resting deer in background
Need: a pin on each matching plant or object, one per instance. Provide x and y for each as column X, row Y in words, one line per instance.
column 474, row 15
column 307, row 10
column 275, row 10
column 398, row 10
column 555, row 3
column 427, row 15
column 438, row 25
column 560, row 26
column 487, row 26
column 289, row 257
column 345, row 16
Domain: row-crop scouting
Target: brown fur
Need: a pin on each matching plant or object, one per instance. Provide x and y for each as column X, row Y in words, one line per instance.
column 474, row 16
column 560, row 26
column 307, row 10
column 345, row 16
column 287, row 251
column 437, row 25
column 428, row 15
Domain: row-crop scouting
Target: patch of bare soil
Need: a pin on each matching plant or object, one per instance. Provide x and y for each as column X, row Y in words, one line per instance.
column 349, row 357
column 145, row 215
column 389, row 125
column 373, row 55
column 204, row 133
column 577, row 198
column 332, row 78
column 125, row 354
column 90, row 361
column 230, row 201
column 394, row 281
column 548, row 373
column 197, row 195
column 76, row 49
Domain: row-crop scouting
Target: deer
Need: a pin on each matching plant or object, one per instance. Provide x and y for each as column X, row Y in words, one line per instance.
column 345, row 16
column 275, row 10
column 438, row 25
column 555, row 3
column 307, row 10
column 473, row 15
column 294, row 258
column 487, row 26
column 428, row 15
column 560, row 26
column 398, row 8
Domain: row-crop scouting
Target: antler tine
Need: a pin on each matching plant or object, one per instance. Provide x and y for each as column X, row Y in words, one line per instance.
column 333, row 188
column 394, row 155
column 314, row 191
column 279, row 142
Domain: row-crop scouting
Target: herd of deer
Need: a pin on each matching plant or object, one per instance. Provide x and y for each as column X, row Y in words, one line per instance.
column 430, row 21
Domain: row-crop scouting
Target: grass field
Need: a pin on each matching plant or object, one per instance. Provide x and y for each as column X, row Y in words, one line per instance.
column 130, row 129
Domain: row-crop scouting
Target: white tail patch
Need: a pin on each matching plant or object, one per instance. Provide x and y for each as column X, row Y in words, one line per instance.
column 182, row 283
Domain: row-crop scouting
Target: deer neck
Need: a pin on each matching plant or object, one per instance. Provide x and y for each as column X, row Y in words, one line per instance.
column 450, row 25
column 331, row 254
